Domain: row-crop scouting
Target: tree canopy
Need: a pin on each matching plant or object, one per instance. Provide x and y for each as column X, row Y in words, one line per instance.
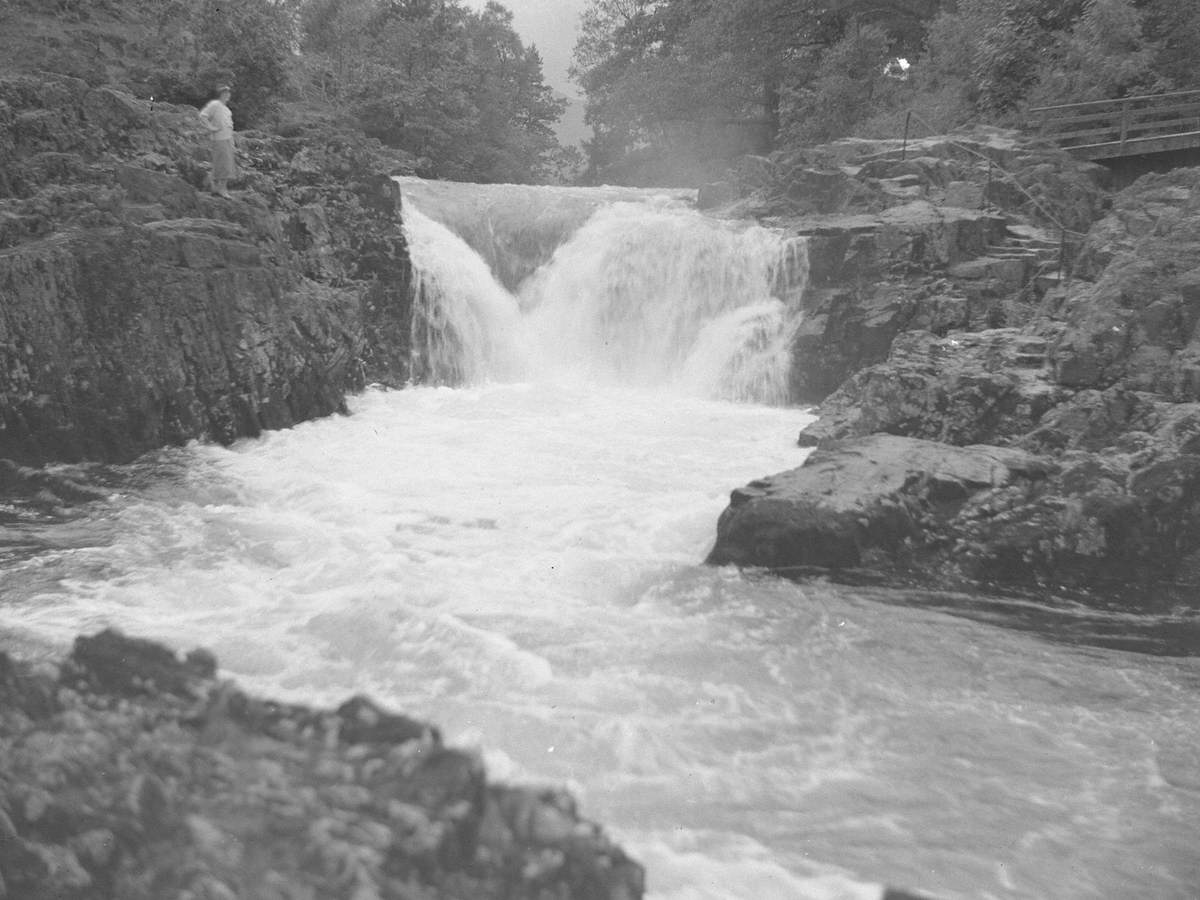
column 454, row 87
column 695, row 82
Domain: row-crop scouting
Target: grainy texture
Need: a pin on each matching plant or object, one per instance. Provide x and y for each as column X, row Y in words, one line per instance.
column 1097, row 387
column 132, row 774
column 139, row 310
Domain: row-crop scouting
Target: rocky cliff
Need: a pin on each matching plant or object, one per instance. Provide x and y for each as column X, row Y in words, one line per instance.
column 1047, row 445
column 139, row 310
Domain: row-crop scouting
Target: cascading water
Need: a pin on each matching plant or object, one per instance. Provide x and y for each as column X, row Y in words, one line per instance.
column 466, row 327
column 517, row 559
column 643, row 294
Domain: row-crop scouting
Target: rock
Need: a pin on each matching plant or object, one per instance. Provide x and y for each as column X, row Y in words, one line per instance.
column 117, row 664
column 1097, row 525
column 969, row 388
column 21, row 689
column 964, row 195
column 874, row 277
column 561, row 850
column 364, row 722
column 120, row 791
column 1136, row 325
column 878, row 502
column 144, row 185
column 140, row 313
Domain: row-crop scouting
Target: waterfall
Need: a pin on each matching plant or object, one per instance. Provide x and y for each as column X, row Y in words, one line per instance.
column 465, row 325
column 629, row 288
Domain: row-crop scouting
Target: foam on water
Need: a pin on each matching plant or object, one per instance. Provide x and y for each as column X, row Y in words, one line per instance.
column 519, row 562
column 642, row 295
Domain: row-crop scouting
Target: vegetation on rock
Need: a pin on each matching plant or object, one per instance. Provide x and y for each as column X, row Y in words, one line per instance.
column 454, row 88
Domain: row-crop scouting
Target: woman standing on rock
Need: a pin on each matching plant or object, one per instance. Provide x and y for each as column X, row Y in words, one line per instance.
column 219, row 121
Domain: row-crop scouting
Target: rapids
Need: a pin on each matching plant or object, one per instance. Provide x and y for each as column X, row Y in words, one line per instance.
column 512, row 550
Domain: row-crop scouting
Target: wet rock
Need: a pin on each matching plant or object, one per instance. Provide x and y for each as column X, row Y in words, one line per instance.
column 878, row 502
column 1119, row 524
column 116, row 664
column 365, row 722
column 48, row 487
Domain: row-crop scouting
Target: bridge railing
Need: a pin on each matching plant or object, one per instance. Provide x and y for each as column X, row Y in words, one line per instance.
column 1107, row 128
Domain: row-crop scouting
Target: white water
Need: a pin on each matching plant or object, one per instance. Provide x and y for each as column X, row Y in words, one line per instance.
column 519, row 561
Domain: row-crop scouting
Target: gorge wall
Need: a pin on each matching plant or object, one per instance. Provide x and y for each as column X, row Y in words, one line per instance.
column 987, row 420
column 139, row 310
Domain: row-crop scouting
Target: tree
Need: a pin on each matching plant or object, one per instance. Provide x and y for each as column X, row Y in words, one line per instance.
column 1105, row 55
column 456, row 88
column 851, row 73
column 252, row 41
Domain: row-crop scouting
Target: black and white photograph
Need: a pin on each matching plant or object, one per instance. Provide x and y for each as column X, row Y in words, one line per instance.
column 599, row 450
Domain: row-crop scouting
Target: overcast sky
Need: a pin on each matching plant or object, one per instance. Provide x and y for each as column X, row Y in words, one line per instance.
column 552, row 25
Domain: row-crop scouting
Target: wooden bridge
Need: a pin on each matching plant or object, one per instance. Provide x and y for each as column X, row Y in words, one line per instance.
column 1131, row 126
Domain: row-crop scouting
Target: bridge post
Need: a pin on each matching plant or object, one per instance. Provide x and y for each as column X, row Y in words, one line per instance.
column 1124, row 123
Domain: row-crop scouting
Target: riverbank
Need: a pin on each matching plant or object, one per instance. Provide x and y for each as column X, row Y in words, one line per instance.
column 134, row 772
column 1011, row 418
column 141, row 310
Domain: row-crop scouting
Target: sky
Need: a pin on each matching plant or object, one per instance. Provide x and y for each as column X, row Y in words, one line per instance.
column 552, row 25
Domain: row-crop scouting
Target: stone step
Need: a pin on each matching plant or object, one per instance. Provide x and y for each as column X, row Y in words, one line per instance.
column 1008, row 252
column 1030, row 232
column 1032, row 244
column 1047, row 280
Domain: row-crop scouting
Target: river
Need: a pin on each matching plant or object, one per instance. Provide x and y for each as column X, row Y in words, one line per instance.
column 512, row 550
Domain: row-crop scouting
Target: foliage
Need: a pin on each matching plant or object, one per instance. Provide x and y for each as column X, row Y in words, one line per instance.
column 452, row 86
column 853, row 75
column 709, row 78
column 1105, row 55
column 252, row 39
column 659, row 74
column 456, row 88
column 191, row 46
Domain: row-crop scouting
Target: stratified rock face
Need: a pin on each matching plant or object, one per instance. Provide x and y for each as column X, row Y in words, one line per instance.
column 1092, row 482
column 957, row 235
column 140, row 311
column 131, row 774
column 875, row 276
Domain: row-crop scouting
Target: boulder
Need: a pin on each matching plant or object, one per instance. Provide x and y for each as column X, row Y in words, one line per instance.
column 1101, row 527
column 879, row 502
